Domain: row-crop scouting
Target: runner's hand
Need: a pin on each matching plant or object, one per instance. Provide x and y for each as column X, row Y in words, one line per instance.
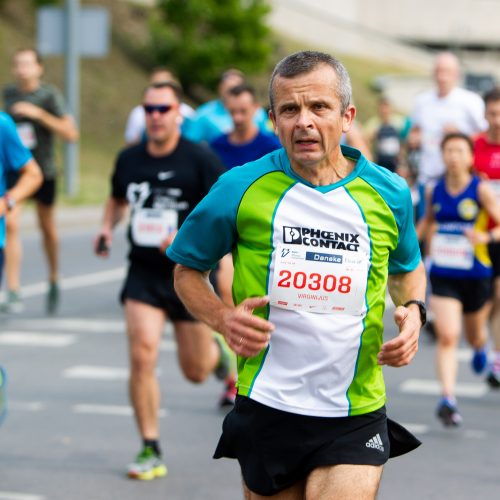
column 477, row 237
column 102, row 243
column 245, row 333
column 402, row 349
column 167, row 242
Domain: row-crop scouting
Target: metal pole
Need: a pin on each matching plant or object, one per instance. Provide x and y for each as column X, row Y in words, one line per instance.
column 72, row 91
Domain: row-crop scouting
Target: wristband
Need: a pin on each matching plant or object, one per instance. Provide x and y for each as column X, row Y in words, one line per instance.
column 9, row 202
column 421, row 307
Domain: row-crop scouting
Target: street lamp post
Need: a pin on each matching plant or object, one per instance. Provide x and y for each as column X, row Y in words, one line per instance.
column 72, row 91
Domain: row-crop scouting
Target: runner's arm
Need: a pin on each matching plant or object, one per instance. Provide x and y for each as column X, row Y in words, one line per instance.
column 114, row 211
column 29, row 181
column 488, row 200
column 402, row 288
column 244, row 332
column 64, row 126
column 426, row 223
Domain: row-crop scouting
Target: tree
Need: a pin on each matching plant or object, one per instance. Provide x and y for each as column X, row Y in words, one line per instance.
column 199, row 39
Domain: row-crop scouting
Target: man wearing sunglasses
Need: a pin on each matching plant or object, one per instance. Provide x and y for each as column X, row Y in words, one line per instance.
column 161, row 180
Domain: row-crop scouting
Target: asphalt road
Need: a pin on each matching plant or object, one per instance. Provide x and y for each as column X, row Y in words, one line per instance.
column 70, row 431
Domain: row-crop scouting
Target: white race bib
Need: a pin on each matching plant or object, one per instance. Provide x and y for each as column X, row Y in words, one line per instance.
column 319, row 281
column 453, row 251
column 389, row 146
column 150, row 226
column 27, row 135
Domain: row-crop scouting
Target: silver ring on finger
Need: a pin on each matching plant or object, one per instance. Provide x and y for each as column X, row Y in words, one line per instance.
column 241, row 340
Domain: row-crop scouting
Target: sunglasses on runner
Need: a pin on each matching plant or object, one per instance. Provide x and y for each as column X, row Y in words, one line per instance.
column 161, row 108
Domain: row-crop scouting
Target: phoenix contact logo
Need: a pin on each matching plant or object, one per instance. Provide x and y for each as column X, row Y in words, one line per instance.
column 311, row 237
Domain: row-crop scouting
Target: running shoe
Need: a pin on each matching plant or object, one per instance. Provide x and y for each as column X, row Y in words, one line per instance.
column 147, row 465
column 228, row 397
column 3, row 394
column 223, row 368
column 53, row 297
column 479, row 361
column 13, row 303
column 448, row 414
column 493, row 380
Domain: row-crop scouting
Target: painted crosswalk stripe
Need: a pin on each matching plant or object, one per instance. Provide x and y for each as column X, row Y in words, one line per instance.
column 96, row 373
column 36, row 339
column 9, row 495
column 112, row 410
column 433, row 388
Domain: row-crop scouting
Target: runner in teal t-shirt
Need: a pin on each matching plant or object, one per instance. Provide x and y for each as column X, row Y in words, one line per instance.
column 314, row 230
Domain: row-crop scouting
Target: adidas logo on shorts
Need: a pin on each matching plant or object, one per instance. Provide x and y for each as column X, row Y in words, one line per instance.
column 375, row 442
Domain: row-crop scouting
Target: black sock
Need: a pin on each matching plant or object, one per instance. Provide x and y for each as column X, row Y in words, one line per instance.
column 153, row 444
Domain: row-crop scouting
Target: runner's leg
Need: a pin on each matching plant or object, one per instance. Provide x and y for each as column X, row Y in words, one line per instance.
column 197, row 351
column 295, row 492
column 46, row 220
column 344, row 482
column 13, row 249
column 448, row 325
column 145, row 325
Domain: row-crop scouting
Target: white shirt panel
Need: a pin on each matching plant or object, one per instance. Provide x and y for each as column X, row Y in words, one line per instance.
column 460, row 109
column 312, row 357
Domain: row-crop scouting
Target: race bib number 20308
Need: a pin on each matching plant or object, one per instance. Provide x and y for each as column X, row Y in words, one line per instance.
column 319, row 282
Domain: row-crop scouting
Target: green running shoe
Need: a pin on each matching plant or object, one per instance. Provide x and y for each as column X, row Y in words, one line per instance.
column 147, row 465
column 13, row 303
column 53, row 297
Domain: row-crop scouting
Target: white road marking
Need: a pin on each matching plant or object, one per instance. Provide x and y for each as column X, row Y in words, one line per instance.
column 81, row 325
column 464, row 355
column 113, row 410
column 432, row 388
column 8, row 495
column 168, row 345
column 73, row 282
column 96, row 373
column 35, row 339
column 416, row 428
column 74, row 324
column 32, row 406
column 475, row 434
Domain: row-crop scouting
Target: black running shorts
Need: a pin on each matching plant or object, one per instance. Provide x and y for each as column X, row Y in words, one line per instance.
column 156, row 288
column 494, row 251
column 276, row 449
column 472, row 293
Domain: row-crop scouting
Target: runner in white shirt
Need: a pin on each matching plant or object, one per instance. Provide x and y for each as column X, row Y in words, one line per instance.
column 447, row 108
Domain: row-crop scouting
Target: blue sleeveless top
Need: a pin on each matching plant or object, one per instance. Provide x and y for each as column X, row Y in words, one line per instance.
column 451, row 254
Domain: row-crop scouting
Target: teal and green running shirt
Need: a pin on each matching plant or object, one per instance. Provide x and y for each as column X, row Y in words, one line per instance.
column 323, row 255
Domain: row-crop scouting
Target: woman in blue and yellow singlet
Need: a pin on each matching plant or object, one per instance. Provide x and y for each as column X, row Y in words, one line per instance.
column 457, row 213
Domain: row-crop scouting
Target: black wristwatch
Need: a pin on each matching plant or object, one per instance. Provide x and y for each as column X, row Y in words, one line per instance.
column 422, row 308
